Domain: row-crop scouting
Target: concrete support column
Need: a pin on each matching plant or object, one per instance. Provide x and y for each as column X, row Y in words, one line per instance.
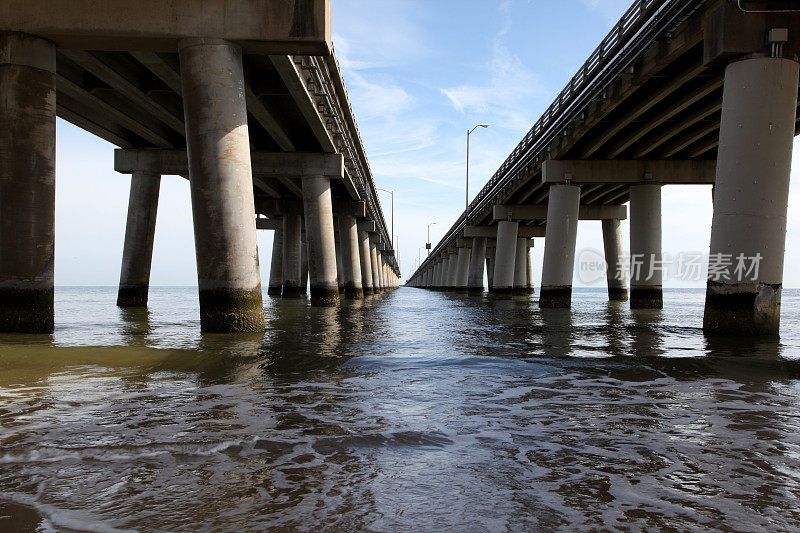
column 530, row 285
column 452, row 271
column 351, row 258
column 339, row 278
column 645, row 208
column 505, row 257
column 616, row 275
column 221, row 182
column 365, row 259
column 27, row 182
column 521, row 266
column 751, row 197
column 476, row 261
column 376, row 280
column 137, row 254
column 292, row 255
column 276, row 265
column 318, row 211
column 436, row 276
column 559, row 246
column 304, row 266
column 490, row 268
column 462, row 269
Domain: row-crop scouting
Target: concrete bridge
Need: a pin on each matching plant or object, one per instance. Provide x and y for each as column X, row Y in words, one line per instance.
column 243, row 98
column 680, row 92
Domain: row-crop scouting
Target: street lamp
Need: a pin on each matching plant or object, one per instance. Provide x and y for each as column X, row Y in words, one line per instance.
column 392, row 193
column 469, row 132
column 428, row 244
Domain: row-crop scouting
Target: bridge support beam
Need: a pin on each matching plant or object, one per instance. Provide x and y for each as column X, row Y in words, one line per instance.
column 27, row 183
column 559, row 246
column 318, row 211
column 222, row 186
column 351, row 259
column 292, row 255
column 365, row 259
column 462, row 269
column 521, row 267
column 140, row 230
column 751, row 195
column 646, row 275
column 616, row 276
column 505, row 257
column 476, row 262
column 276, row 265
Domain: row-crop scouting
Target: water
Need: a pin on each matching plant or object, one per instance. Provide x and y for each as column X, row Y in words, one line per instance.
column 408, row 411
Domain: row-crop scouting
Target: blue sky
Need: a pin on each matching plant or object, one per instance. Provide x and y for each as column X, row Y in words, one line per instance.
column 419, row 74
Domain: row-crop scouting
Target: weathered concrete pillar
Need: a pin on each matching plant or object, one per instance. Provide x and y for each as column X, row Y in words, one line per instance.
column 221, row 182
column 490, row 268
column 462, row 269
column 318, row 211
column 645, row 208
column 351, row 259
column 376, row 280
column 452, row 271
column 137, row 254
column 505, row 257
column 303, row 265
column 339, row 278
column 530, row 285
column 751, row 197
column 616, row 275
column 437, row 272
column 276, row 265
column 27, row 182
column 521, row 266
column 292, row 255
column 559, row 246
column 365, row 259
column 476, row 261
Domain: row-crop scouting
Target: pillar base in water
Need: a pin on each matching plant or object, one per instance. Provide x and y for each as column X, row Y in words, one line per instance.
column 231, row 310
column 353, row 293
column 555, row 297
column 618, row 295
column 647, row 298
column 737, row 311
column 504, row 291
column 475, row 290
column 27, row 311
column 274, row 291
column 324, row 296
column 132, row 296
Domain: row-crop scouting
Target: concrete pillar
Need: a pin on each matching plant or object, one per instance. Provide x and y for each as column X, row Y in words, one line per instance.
column 318, row 211
column 276, row 265
column 365, row 260
column 137, row 254
column 490, row 268
column 521, row 266
column 339, row 278
column 530, row 285
column 559, row 246
column 376, row 280
column 751, row 196
column 505, row 257
column 292, row 255
column 476, row 261
column 645, row 208
column 616, row 275
column 221, row 182
column 436, row 276
column 27, row 183
column 303, row 265
column 452, row 271
column 351, row 259
column 462, row 269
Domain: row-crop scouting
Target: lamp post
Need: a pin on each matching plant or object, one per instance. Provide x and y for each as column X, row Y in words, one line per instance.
column 469, row 132
column 392, row 193
column 428, row 244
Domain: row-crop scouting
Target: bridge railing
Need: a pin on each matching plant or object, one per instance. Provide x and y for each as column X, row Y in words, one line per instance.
column 617, row 39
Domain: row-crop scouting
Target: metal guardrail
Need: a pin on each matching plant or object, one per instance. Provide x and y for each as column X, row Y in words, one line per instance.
column 621, row 35
column 326, row 86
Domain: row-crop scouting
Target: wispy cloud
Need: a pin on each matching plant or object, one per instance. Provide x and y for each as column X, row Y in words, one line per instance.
column 611, row 10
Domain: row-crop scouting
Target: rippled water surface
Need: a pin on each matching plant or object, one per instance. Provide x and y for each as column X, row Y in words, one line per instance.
column 410, row 411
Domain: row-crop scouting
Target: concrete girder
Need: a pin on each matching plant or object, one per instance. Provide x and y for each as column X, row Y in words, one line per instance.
column 539, row 212
column 269, row 223
column 630, row 171
column 490, row 232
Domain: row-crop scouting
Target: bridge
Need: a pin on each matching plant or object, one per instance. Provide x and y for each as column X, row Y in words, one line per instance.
column 679, row 92
column 244, row 99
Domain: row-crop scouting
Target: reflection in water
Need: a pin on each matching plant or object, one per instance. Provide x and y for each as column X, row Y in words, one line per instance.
column 409, row 410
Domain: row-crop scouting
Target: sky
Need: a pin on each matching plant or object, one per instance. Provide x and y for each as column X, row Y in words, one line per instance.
column 419, row 74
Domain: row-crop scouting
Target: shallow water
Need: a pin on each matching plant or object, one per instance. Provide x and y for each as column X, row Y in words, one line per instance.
column 409, row 411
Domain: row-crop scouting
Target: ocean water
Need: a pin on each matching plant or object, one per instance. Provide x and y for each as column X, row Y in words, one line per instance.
column 408, row 411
